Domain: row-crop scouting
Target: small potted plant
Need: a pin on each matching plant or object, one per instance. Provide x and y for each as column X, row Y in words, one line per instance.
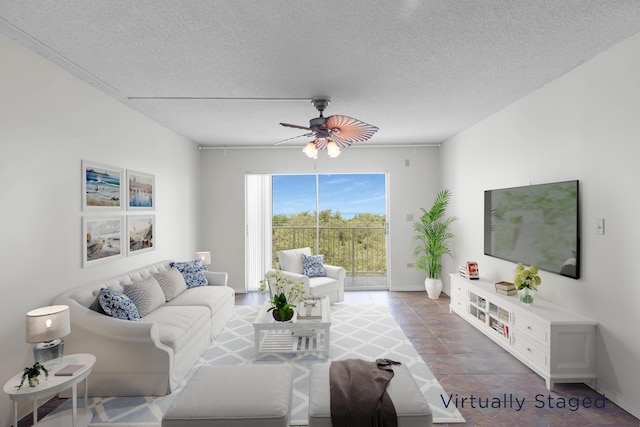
column 527, row 279
column 32, row 374
column 432, row 233
column 284, row 293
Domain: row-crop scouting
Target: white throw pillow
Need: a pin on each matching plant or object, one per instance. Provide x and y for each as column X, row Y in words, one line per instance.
column 291, row 260
column 147, row 295
column 172, row 283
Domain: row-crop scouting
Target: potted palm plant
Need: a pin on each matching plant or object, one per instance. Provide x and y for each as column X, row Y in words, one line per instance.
column 432, row 235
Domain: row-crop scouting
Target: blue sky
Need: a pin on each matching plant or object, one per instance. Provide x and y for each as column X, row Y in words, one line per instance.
column 347, row 193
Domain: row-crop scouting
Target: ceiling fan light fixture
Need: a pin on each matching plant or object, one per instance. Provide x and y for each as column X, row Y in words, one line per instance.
column 333, row 150
column 333, row 132
column 311, row 150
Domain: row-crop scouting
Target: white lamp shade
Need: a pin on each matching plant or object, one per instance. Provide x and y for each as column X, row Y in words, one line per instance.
column 333, row 150
column 311, row 150
column 48, row 323
column 205, row 256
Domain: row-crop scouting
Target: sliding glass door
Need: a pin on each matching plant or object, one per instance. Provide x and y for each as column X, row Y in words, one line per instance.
column 342, row 216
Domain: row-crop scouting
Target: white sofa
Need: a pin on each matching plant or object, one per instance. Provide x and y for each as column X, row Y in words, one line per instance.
column 331, row 284
column 149, row 357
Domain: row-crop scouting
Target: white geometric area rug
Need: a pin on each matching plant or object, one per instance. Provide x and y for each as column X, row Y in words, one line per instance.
column 365, row 332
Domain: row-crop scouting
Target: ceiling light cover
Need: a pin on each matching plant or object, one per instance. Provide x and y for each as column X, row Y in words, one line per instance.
column 311, row 150
column 333, row 150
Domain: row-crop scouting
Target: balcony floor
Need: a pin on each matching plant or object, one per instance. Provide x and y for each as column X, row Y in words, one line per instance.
column 365, row 283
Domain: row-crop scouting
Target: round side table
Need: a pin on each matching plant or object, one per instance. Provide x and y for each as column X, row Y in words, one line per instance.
column 53, row 385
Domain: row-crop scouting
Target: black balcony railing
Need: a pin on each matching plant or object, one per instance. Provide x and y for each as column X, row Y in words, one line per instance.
column 360, row 250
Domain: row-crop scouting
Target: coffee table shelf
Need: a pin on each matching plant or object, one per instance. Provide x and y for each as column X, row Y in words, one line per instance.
column 296, row 336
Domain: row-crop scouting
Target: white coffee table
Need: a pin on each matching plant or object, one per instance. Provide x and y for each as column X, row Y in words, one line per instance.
column 298, row 335
column 53, row 385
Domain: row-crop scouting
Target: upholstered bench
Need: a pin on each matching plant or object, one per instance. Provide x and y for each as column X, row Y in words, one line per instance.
column 229, row 396
column 411, row 407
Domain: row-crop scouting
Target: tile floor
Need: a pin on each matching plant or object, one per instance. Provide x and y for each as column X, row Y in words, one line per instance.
column 468, row 364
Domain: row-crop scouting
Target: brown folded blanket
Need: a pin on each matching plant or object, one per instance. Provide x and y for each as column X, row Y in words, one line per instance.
column 358, row 393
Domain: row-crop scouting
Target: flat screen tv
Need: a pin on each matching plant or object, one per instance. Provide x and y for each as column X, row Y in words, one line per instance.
column 535, row 225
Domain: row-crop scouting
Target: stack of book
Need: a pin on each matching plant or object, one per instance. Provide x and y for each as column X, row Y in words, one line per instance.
column 506, row 288
column 463, row 271
column 469, row 270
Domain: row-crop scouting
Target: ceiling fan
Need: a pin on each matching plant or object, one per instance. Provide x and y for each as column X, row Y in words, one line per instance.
column 333, row 132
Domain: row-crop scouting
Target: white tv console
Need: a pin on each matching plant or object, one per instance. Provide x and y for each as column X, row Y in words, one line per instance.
column 555, row 343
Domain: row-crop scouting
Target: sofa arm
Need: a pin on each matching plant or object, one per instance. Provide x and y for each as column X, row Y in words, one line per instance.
column 216, row 278
column 338, row 273
column 335, row 272
column 119, row 345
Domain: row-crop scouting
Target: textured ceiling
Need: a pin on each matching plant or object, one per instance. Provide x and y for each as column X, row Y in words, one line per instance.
column 419, row 70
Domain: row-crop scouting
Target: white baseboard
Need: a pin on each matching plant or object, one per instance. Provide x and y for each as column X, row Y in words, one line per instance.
column 407, row 288
column 631, row 407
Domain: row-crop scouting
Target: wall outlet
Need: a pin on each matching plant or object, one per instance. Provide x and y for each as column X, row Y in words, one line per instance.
column 410, row 265
column 410, row 217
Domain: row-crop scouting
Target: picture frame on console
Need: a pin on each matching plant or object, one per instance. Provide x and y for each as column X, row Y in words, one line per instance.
column 140, row 191
column 140, row 234
column 102, row 187
column 102, row 239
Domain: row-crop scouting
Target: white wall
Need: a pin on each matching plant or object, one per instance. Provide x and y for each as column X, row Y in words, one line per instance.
column 585, row 126
column 411, row 187
column 49, row 122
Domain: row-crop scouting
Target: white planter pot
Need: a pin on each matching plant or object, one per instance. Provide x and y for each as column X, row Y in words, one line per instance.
column 433, row 287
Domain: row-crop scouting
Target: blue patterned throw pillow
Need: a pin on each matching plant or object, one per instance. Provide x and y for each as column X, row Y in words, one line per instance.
column 118, row 305
column 193, row 273
column 313, row 265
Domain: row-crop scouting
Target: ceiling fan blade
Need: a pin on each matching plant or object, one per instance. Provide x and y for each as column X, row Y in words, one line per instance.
column 321, row 143
column 295, row 126
column 347, row 130
column 294, row 137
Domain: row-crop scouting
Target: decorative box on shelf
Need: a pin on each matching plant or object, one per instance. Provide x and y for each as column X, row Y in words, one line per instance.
column 310, row 309
column 506, row 288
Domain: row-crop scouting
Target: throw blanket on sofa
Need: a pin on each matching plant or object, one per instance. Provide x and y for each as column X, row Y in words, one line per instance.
column 358, row 393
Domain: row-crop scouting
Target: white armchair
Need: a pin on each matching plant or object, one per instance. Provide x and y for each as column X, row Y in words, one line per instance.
column 331, row 284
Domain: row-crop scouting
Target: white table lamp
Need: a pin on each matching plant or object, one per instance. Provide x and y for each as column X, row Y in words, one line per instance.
column 205, row 257
column 45, row 327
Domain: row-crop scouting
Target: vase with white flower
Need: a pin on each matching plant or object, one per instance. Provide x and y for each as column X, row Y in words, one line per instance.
column 285, row 292
column 527, row 279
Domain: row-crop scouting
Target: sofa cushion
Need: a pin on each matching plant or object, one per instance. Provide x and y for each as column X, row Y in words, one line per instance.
column 313, row 265
column 118, row 305
column 322, row 285
column 193, row 272
column 147, row 295
column 95, row 306
column 212, row 297
column 171, row 282
column 179, row 324
column 291, row 259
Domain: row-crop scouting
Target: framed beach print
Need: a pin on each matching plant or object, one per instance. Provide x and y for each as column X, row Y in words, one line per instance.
column 102, row 239
column 141, row 233
column 140, row 191
column 102, row 187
